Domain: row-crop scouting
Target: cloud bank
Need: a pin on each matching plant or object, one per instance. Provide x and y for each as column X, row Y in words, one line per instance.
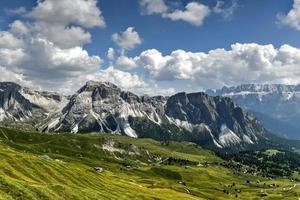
column 243, row 63
column 46, row 50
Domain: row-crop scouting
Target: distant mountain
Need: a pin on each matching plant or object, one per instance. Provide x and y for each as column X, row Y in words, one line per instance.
column 276, row 106
column 214, row 122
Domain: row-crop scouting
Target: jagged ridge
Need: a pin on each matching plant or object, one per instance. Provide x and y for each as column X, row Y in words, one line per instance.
column 103, row 107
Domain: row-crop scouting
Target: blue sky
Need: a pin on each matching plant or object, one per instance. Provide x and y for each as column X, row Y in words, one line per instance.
column 252, row 21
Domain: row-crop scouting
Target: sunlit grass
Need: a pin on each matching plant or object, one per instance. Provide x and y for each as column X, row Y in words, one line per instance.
column 45, row 166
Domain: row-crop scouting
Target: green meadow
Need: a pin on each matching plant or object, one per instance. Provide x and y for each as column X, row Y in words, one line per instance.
column 62, row 166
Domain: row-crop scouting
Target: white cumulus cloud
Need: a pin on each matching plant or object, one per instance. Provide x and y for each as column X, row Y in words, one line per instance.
column 80, row 12
column 8, row 75
column 47, row 51
column 194, row 13
column 128, row 39
column 150, row 7
column 19, row 28
column 9, row 41
column 292, row 18
column 111, row 54
column 243, row 63
column 226, row 12
column 64, row 37
column 125, row 63
column 47, row 65
column 131, row 82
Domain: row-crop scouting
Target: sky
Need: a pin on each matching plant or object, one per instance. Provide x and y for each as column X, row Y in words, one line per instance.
column 155, row 47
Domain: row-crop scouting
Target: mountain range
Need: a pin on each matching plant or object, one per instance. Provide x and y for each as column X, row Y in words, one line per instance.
column 276, row 106
column 102, row 107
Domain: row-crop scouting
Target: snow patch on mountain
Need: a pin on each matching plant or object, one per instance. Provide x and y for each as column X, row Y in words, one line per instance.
column 213, row 137
column 53, row 123
column 247, row 139
column 2, row 114
column 227, row 137
column 75, row 129
column 180, row 123
column 129, row 131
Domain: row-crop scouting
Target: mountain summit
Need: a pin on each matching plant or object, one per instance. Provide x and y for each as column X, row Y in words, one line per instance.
column 215, row 122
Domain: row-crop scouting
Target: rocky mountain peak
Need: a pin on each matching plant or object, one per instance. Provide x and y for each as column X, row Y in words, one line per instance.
column 103, row 107
column 9, row 86
column 197, row 108
column 12, row 103
column 100, row 90
column 24, row 104
column 91, row 85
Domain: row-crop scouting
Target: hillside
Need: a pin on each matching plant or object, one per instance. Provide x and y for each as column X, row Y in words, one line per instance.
column 61, row 166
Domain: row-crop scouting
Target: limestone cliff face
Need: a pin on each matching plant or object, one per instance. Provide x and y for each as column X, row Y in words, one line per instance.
column 227, row 123
column 103, row 107
column 23, row 104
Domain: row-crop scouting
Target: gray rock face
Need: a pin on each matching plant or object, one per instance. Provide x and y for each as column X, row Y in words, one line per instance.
column 23, row 104
column 276, row 106
column 227, row 123
column 103, row 107
column 12, row 104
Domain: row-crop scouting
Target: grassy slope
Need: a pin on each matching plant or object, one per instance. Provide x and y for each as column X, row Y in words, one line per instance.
column 26, row 174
